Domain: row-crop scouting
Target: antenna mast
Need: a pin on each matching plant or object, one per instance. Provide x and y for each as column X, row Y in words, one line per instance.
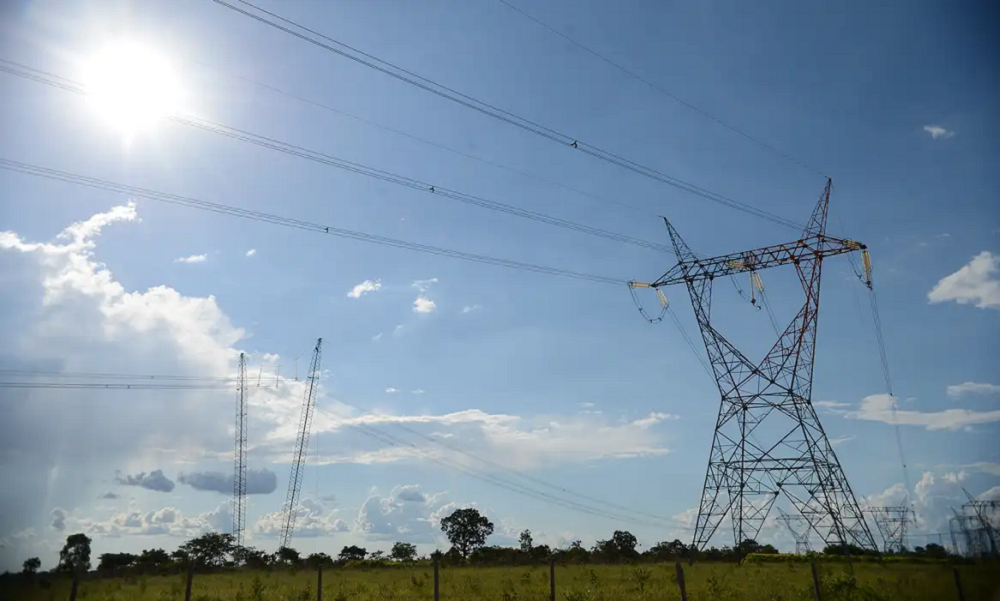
column 240, row 468
column 305, row 421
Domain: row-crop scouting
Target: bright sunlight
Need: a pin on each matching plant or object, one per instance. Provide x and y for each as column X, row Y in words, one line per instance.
column 131, row 86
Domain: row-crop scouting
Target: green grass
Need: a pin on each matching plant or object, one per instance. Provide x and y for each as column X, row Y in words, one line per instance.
column 705, row 582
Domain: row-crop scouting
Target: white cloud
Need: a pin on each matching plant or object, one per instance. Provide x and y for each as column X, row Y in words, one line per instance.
column 423, row 285
column 258, row 482
column 829, row 404
column 398, row 330
column 166, row 521
column 391, row 390
column 424, row 305
column 958, row 390
column 839, row 440
column 251, row 252
column 365, row 287
column 311, row 521
column 471, row 308
column 985, row 467
column 155, row 480
column 417, row 391
column 974, row 283
column 377, row 337
column 878, row 407
column 936, row 131
column 191, row 259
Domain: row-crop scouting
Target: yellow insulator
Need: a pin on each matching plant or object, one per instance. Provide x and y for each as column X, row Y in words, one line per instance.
column 866, row 260
column 639, row 284
column 737, row 265
column 755, row 279
column 662, row 297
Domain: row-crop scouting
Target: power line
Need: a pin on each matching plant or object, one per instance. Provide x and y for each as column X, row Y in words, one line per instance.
column 224, row 209
column 318, row 157
column 485, row 108
column 660, row 89
column 438, row 145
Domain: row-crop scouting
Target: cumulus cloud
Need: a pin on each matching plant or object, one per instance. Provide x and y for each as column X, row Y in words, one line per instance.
column 878, row 407
column 259, row 482
column 192, row 259
column 976, row 283
column 422, row 304
column 405, row 514
column 311, row 521
column 166, row 521
column 971, row 388
column 936, row 132
column 251, row 252
column 471, row 308
column 410, row 492
column 364, row 288
column 109, row 495
column 391, row 390
column 424, row 285
column 418, row 391
column 154, row 480
column 58, row 519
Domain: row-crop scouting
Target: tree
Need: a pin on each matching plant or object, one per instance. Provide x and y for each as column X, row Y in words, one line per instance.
column 403, row 552
column 672, row 550
column 154, row 558
column 110, row 562
column 288, row 556
column 526, row 541
column 316, row 560
column 621, row 545
column 352, row 553
column 31, row 565
column 467, row 530
column 209, row 550
column 377, row 555
column 75, row 554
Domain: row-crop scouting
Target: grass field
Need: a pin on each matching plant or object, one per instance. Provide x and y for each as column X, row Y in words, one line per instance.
column 705, row 582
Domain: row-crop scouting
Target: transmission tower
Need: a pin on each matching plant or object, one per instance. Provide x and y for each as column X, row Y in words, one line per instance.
column 799, row 527
column 240, row 455
column 301, row 444
column 891, row 522
column 768, row 438
column 987, row 513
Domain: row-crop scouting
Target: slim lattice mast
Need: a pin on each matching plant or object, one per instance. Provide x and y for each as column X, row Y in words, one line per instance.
column 987, row 512
column 768, row 438
column 240, row 468
column 799, row 527
column 891, row 522
column 305, row 421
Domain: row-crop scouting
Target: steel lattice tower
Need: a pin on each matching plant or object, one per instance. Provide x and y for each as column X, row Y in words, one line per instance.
column 240, row 455
column 799, row 527
column 301, row 445
column 768, row 438
column 891, row 522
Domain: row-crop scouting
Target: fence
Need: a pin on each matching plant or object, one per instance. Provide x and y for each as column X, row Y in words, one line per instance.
column 680, row 581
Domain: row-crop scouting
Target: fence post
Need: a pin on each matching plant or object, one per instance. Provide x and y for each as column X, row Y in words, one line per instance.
column 552, row 580
column 816, row 587
column 958, row 585
column 187, row 587
column 680, row 581
column 319, row 583
column 76, row 583
column 437, row 588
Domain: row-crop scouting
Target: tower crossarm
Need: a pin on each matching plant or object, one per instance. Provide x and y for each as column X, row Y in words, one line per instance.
column 814, row 247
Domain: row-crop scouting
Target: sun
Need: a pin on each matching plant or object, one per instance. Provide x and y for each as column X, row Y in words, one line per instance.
column 131, row 86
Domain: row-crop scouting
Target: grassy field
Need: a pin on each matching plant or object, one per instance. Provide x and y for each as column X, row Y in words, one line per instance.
column 705, row 582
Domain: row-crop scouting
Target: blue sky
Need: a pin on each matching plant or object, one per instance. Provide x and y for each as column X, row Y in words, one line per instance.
column 556, row 377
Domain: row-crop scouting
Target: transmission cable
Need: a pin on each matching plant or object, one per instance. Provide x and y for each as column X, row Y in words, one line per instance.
column 491, row 479
column 318, row 157
column 233, row 211
column 433, row 144
column 433, row 87
column 660, row 89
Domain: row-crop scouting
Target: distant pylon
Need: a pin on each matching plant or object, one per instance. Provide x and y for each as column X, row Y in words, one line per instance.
column 240, row 455
column 301, row 445
column 768, row 438
column 891, row 521
column 799, row 527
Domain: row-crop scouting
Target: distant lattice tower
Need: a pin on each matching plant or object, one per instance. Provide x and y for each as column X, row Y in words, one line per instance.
column 768, row 438
column 799, row 527
column 892, row 522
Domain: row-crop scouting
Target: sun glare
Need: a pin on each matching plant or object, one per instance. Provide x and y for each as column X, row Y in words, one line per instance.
column 131, row 86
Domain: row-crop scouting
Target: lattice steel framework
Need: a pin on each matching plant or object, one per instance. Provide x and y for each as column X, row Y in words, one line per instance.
column 988, row 514
column 891, row 522
column 800, row 528
column 301, row 445
column 240, row 457
column 768, row 438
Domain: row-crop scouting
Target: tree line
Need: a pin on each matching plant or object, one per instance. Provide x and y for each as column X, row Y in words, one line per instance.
column 466, row 529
